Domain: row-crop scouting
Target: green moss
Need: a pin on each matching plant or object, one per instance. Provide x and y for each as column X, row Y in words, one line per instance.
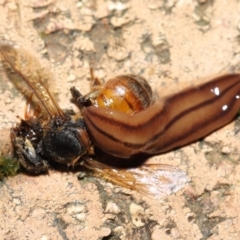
column 8, row 166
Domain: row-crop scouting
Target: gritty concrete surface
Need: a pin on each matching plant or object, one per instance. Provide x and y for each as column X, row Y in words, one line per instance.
column 172, row 43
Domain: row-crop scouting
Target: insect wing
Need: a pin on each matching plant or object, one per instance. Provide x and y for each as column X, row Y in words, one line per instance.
column 153, row 180
column 29, row 70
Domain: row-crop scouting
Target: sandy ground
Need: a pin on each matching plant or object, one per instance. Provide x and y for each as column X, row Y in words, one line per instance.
column 172, row 44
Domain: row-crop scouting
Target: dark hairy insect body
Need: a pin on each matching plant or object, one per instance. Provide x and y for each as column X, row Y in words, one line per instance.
column 64, row 142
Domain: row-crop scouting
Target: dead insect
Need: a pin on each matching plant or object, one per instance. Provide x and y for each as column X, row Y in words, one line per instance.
column 49, row 134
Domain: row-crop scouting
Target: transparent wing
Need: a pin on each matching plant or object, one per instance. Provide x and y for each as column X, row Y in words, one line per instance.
column 152, row 180
column 29, row 70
